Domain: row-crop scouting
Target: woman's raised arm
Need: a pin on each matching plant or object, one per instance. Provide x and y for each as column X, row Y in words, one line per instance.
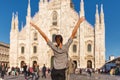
column 40, row 31
column 76, row 27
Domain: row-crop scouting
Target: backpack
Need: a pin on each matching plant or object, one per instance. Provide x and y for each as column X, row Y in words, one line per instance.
column 70, row 66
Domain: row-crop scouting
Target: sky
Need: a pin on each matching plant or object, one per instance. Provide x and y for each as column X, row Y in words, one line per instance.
column 111, row 14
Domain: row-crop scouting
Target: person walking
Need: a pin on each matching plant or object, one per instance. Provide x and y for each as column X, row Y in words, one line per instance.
column 25, row 70
column 3, row 70
column 44, row 71
column 36, row 71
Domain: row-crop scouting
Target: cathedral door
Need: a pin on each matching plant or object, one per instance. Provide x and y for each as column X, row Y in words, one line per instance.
column 22, row 63
column 89, row 64
column 75, row 62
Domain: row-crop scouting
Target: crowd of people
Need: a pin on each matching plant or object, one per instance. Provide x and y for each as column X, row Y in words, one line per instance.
column 90, row 71
column 35, row 72
column 30, row 72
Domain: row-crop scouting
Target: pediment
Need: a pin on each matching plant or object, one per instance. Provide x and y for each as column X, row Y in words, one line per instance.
column 89, row 29
column 22, row 33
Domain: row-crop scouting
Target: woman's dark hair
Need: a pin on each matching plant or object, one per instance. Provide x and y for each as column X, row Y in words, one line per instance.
column 59, row 37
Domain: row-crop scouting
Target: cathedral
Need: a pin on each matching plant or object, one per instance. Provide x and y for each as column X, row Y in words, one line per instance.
column 57, row 17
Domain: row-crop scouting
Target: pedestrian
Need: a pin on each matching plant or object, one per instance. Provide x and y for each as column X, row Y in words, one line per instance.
column 117, row 70
column 44, row 71
column 25, row 70
column 12, row 71
column 60, row 51
column 30, row 71
column 80, row 71
column 3, row 71
column 9, row 71
column 49, row 70
column 36, row 71
column 89, row 70
column 112, row 71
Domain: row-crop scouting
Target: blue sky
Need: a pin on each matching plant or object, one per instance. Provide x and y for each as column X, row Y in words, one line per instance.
column 111, row 12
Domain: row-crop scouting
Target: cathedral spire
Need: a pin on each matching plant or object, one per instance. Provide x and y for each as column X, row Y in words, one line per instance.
column 16, row 21
column 28, row 17
column 97, row 15
column 12, row 16
column 13, row 21
column 102, row 15
column 82, row 8
column 29, row 9
column 102, row 9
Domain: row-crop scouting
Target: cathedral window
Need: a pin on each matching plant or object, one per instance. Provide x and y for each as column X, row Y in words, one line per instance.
column 35, row 36
column 22, row 49
column 34, row 49
column 74, row 48
column 89, row 48
column 54, row 18
column 53, row 38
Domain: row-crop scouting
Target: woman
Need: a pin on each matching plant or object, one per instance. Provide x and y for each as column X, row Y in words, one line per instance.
column 60, row 51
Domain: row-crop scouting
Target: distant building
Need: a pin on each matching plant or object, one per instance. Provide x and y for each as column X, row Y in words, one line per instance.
column 111, row 57
column 58, row 17
column 4, row 53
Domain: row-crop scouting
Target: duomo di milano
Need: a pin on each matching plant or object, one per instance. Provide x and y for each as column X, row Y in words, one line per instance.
column 58, row 17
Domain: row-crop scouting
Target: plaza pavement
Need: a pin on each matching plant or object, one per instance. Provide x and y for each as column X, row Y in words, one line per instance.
column 72, row 77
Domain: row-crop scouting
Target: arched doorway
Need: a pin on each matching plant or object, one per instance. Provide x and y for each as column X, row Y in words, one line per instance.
column 34, row 62
column 75, row 62
column 89, row 64
column 22, row 63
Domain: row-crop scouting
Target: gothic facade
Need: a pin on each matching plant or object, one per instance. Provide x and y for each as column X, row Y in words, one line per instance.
column 58, row 17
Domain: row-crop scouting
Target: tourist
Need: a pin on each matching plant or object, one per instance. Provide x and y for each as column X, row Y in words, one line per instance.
column 60, row 51
column 44, row 71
